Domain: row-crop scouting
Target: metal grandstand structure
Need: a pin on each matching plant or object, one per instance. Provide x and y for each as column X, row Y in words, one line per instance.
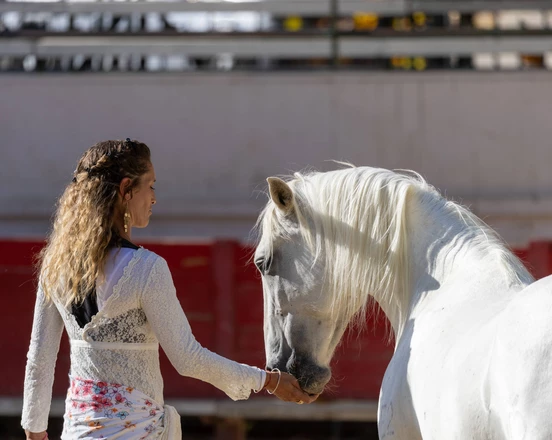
column 275, row 6
column 274, row 30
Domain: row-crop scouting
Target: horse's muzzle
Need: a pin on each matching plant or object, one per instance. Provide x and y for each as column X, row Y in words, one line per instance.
column 312, row 378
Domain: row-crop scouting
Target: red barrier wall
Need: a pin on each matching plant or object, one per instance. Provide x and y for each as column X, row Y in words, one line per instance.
column 220, row 291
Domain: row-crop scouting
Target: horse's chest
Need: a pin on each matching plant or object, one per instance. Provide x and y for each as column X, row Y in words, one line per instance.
column 396, row 417
column 424, row 382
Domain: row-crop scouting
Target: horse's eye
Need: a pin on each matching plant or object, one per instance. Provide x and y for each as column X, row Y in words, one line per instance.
column 263, row 264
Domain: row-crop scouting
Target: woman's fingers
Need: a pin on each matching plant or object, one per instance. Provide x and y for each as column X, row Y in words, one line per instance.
column 290, row 391
column 287, row 388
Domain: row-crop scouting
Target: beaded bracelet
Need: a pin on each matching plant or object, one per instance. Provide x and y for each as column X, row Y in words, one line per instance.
column 277, row 383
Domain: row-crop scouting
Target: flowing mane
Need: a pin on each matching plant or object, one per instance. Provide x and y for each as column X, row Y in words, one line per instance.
column 358, row 215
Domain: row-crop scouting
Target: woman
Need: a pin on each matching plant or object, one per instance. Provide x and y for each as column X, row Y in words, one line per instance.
column 118, row 302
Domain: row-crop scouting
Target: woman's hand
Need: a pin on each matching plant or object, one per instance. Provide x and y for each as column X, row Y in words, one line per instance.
column 286, row 388
column 36, row 435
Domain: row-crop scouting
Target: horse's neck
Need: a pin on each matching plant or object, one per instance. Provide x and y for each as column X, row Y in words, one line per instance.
column 442, row 254
column 437, row 246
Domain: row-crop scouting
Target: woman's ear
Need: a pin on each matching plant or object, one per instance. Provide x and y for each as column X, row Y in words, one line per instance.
column 124, row 189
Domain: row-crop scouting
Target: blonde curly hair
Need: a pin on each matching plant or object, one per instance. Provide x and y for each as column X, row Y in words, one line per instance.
column 84, row 223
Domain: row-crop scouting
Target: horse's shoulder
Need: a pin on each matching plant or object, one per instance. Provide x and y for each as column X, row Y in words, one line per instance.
column 529, row 313
column 538, row 292
column 520, row 361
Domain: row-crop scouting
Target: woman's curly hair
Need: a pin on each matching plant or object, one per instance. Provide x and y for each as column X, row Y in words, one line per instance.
column 84, row 223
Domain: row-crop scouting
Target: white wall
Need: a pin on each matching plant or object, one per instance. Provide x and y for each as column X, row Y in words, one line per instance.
column 482, row 137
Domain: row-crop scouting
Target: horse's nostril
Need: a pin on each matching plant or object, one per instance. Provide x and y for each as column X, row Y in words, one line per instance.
column 291, row 366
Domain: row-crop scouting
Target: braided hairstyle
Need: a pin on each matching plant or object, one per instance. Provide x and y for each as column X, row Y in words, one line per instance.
column 84, row 223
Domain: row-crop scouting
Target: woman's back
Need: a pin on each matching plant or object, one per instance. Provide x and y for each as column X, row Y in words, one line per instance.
column 118, row 345
column 117, row 303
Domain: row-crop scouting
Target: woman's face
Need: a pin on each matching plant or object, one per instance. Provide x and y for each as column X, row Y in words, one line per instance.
column 142, row 199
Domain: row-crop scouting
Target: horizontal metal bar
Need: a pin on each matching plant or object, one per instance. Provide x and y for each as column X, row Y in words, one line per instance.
column 17, row 46
column 305, row 46
column 398, row 7
column 283, row 35
column 345, row 410
column 383, row 7
column 305, row 7
column 289, row 47
column 431, row 33
column 287, row 7
column 352, row 47
column 477, row 5
column 254, row 409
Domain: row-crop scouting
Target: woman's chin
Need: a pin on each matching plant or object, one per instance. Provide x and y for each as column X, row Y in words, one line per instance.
column 141, row 225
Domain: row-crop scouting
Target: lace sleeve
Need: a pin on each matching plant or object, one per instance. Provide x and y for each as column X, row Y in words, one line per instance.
column 41, row 362
column 173, row 331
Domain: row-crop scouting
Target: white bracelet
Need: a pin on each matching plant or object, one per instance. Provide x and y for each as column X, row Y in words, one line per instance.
column 277, row 383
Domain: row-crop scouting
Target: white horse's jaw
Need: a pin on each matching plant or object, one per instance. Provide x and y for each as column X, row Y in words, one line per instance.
column 296, row 350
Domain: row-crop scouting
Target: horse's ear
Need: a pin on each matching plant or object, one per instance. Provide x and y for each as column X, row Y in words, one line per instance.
column 280, row 193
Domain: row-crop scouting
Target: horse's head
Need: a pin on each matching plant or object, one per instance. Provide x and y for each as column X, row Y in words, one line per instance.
column 300, row 331
column 331, row 240
column 328, row 242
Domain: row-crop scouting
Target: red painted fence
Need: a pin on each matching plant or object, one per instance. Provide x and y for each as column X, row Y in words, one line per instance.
column 221, row 294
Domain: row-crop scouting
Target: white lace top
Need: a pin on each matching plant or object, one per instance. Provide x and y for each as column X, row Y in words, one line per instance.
column 120, row 344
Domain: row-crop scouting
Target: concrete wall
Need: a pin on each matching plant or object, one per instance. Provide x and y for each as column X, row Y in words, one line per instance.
column 480, row 137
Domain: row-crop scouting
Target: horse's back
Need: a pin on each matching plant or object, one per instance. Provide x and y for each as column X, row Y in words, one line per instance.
column 520, row 373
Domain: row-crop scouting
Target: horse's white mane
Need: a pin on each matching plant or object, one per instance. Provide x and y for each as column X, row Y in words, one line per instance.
column 360, row 213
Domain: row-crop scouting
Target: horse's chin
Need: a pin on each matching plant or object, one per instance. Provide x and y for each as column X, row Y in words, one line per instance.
column 314, row 385
column 313, row 390
column 312, row 377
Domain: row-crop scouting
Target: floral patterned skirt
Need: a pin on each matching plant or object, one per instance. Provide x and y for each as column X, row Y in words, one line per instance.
column 100, row 410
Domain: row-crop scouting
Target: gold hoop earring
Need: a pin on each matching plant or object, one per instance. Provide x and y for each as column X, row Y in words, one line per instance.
column 126, row 219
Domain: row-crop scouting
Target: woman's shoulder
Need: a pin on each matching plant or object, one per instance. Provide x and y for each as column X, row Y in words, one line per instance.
column 147, row 259
column 150, row 268
column 145, row 266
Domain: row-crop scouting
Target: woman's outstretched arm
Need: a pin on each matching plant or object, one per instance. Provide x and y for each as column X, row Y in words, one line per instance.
column 41, row 362
column 173, row 331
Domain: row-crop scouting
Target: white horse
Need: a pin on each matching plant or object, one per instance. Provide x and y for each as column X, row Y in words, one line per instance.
column 473, row 331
